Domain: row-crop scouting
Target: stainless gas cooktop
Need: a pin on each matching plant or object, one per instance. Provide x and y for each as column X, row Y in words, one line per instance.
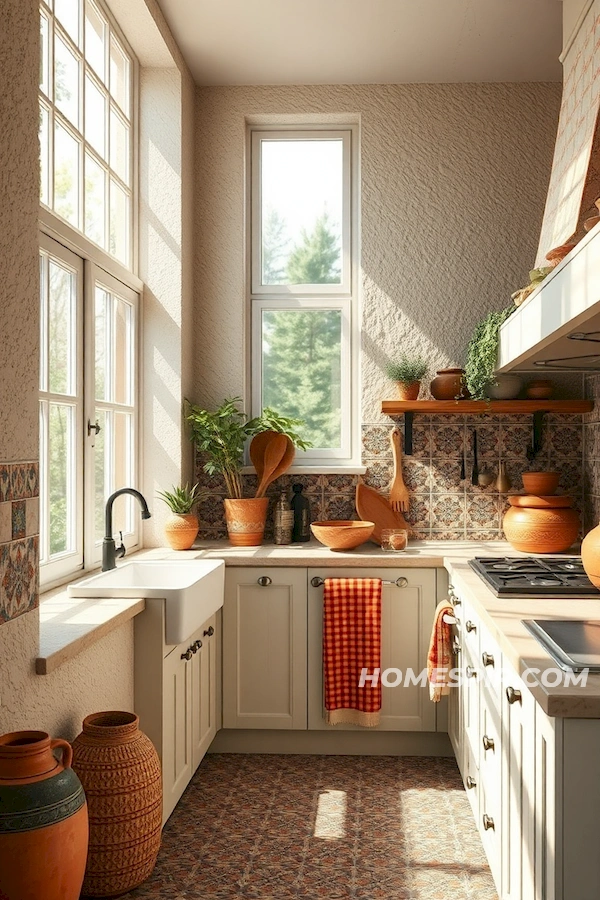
column 548, row 576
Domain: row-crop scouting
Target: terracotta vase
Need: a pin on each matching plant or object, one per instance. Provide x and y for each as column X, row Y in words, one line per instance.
column 539, row 389
column 181, row 530
column 43, row 819
column 246, row 521
column 449, row 384
column 541, row 530
column 408, row 391
column 590, row 555
column 120, row 771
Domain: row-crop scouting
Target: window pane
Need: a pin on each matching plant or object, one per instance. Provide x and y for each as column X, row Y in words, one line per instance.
column 301, row 211
column 62, row 311
column 44, row 150
column 301, row 370
column 95, row 117
column 119, row 146
column 61, row 441
column 44, row 55
column 66, row 175
column 66, row 81
column 43, row 322
column 119, row 223
column 123, row 457
column 123, row 350
column 95, row 40
column 101, row 469
column 95, row 192
column 102, row 343
column 119, row 75
column 67, row 12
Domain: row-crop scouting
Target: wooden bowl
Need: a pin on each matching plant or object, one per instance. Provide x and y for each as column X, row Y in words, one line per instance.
column 540, row 483
column 342, row 534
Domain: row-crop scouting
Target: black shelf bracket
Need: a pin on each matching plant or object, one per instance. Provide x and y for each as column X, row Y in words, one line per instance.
column 537, row 433
column 408, row 433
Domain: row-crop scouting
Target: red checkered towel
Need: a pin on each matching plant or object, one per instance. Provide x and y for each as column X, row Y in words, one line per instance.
column 439, row 657
column 351, row 643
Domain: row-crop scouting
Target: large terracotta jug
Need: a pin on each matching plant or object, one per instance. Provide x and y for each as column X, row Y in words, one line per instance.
column 590, row 555
column 43, row 820
column 120, row 771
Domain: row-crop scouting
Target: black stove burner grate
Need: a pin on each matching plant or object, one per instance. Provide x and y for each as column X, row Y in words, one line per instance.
column 553, row 576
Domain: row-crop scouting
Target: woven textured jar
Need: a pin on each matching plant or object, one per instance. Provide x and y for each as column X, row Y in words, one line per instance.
column 181, row 530
column 246, row 521
column 541, row 530
column 120, row 772
column 43, row 819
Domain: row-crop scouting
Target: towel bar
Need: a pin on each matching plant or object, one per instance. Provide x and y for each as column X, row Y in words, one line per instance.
column 400, row 582
column 449, row 620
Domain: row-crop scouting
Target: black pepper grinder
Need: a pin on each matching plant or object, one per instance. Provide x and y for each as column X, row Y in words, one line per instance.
column 301, row 508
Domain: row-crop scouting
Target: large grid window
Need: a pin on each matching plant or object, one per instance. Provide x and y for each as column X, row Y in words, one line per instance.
column 303, row 284
column 86, row 133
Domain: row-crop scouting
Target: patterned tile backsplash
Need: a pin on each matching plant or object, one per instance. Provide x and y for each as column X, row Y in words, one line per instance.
column 19, row 538
column 442, row 506
column 591, row 455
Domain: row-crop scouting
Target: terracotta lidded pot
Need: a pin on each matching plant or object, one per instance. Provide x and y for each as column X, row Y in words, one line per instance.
column 541, row 529
column 181, row 530
column 449, row 384
column 120, row 771
column 246, row 520
column 43, row 819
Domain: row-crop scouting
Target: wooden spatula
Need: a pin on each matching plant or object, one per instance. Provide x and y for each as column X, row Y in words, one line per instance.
column 374, row 507
column 399, row 496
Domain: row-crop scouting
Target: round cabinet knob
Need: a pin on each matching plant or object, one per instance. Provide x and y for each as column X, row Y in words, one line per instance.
column 401, row 582
column 470, row 672
column 488, row 742
column 488, row 822
column 487, row 659
column 513, row 695
column 209, row 631
column 471, row 626
column 264, row 581
column 470, row 782
column 196, row 646
column 187, row 655
column 455, row 646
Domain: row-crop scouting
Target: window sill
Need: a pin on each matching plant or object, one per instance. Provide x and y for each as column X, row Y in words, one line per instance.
column 316, row 470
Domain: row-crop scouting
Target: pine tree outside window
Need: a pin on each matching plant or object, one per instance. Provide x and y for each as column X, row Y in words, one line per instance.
column 303, row 284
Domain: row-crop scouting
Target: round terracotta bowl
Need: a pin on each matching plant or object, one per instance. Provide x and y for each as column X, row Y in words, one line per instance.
column 541, row 530
column 539, row 389
column 540, row 483
column 342, row 534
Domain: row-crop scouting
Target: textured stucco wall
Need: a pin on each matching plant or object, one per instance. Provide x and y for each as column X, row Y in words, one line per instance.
column 454, row 179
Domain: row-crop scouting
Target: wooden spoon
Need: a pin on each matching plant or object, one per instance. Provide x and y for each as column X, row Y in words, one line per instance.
column 274, row 453
column 258, row 445
column 286, row 460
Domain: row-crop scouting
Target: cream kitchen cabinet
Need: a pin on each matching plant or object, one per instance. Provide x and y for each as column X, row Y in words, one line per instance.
column 264, row 648
column 406, row 622
column 176, row 696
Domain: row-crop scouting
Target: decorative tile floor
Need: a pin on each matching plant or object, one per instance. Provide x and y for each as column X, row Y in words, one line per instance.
column 310, row 827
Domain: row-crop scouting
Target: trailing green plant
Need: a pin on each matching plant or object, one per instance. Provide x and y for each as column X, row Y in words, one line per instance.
column 407, row 369
column 221, row 436
column 181, row 500
column 482, row 352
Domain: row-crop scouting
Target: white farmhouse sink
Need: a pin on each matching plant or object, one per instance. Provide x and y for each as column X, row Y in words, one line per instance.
column 192, row 588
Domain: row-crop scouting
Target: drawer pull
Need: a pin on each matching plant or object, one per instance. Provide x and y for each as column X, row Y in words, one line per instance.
column 488, row 822
column 488, row 742
column 209, row 631
column 470, row 782
column 196, row 646
column 471, row 626
column 470, row 672
column 187, row 655
column 456, row 648
column 513, row 695
column 264, row 581
column 487, row 659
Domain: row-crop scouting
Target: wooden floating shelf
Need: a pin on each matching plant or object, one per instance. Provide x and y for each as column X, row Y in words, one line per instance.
column 491, row 407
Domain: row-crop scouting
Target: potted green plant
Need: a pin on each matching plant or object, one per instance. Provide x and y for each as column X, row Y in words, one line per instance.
column 220, row 436
column 407, row 372
column 482, row 353
column 181, row 527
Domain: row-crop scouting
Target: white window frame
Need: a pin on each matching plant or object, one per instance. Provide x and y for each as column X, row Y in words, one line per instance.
column 343, row 296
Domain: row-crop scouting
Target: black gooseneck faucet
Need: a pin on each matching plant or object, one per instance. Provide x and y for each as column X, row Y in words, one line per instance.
column 109, row 550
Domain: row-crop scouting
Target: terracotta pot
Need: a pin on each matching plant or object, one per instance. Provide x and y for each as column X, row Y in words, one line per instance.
column 557, row 255
column 535, row 530
column 120, row 771
column 181, row 530
column 535, row 501
column 539, row 389
column 246, row 521
column 449, row 385
column 43, row 820
column 590, row 555
column 540, row 483
column 408, row 391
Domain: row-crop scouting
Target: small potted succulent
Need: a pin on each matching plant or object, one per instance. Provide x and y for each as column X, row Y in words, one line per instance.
column 181, row 527
column 407, row 373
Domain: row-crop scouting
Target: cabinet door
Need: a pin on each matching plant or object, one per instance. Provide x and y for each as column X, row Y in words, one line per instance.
column 177, row 715
column 264, row 648
column 204, row 691
column 406, row 622
column 546, row 864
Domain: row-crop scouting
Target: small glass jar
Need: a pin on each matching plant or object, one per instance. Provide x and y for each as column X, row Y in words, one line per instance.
column 394, row 539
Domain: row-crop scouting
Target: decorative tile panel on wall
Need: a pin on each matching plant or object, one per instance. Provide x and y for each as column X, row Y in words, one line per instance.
column 19, row 538
column 591, row 455
column 442, row 507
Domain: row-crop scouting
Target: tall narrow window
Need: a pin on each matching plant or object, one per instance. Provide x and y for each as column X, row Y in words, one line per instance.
column 303, row 284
